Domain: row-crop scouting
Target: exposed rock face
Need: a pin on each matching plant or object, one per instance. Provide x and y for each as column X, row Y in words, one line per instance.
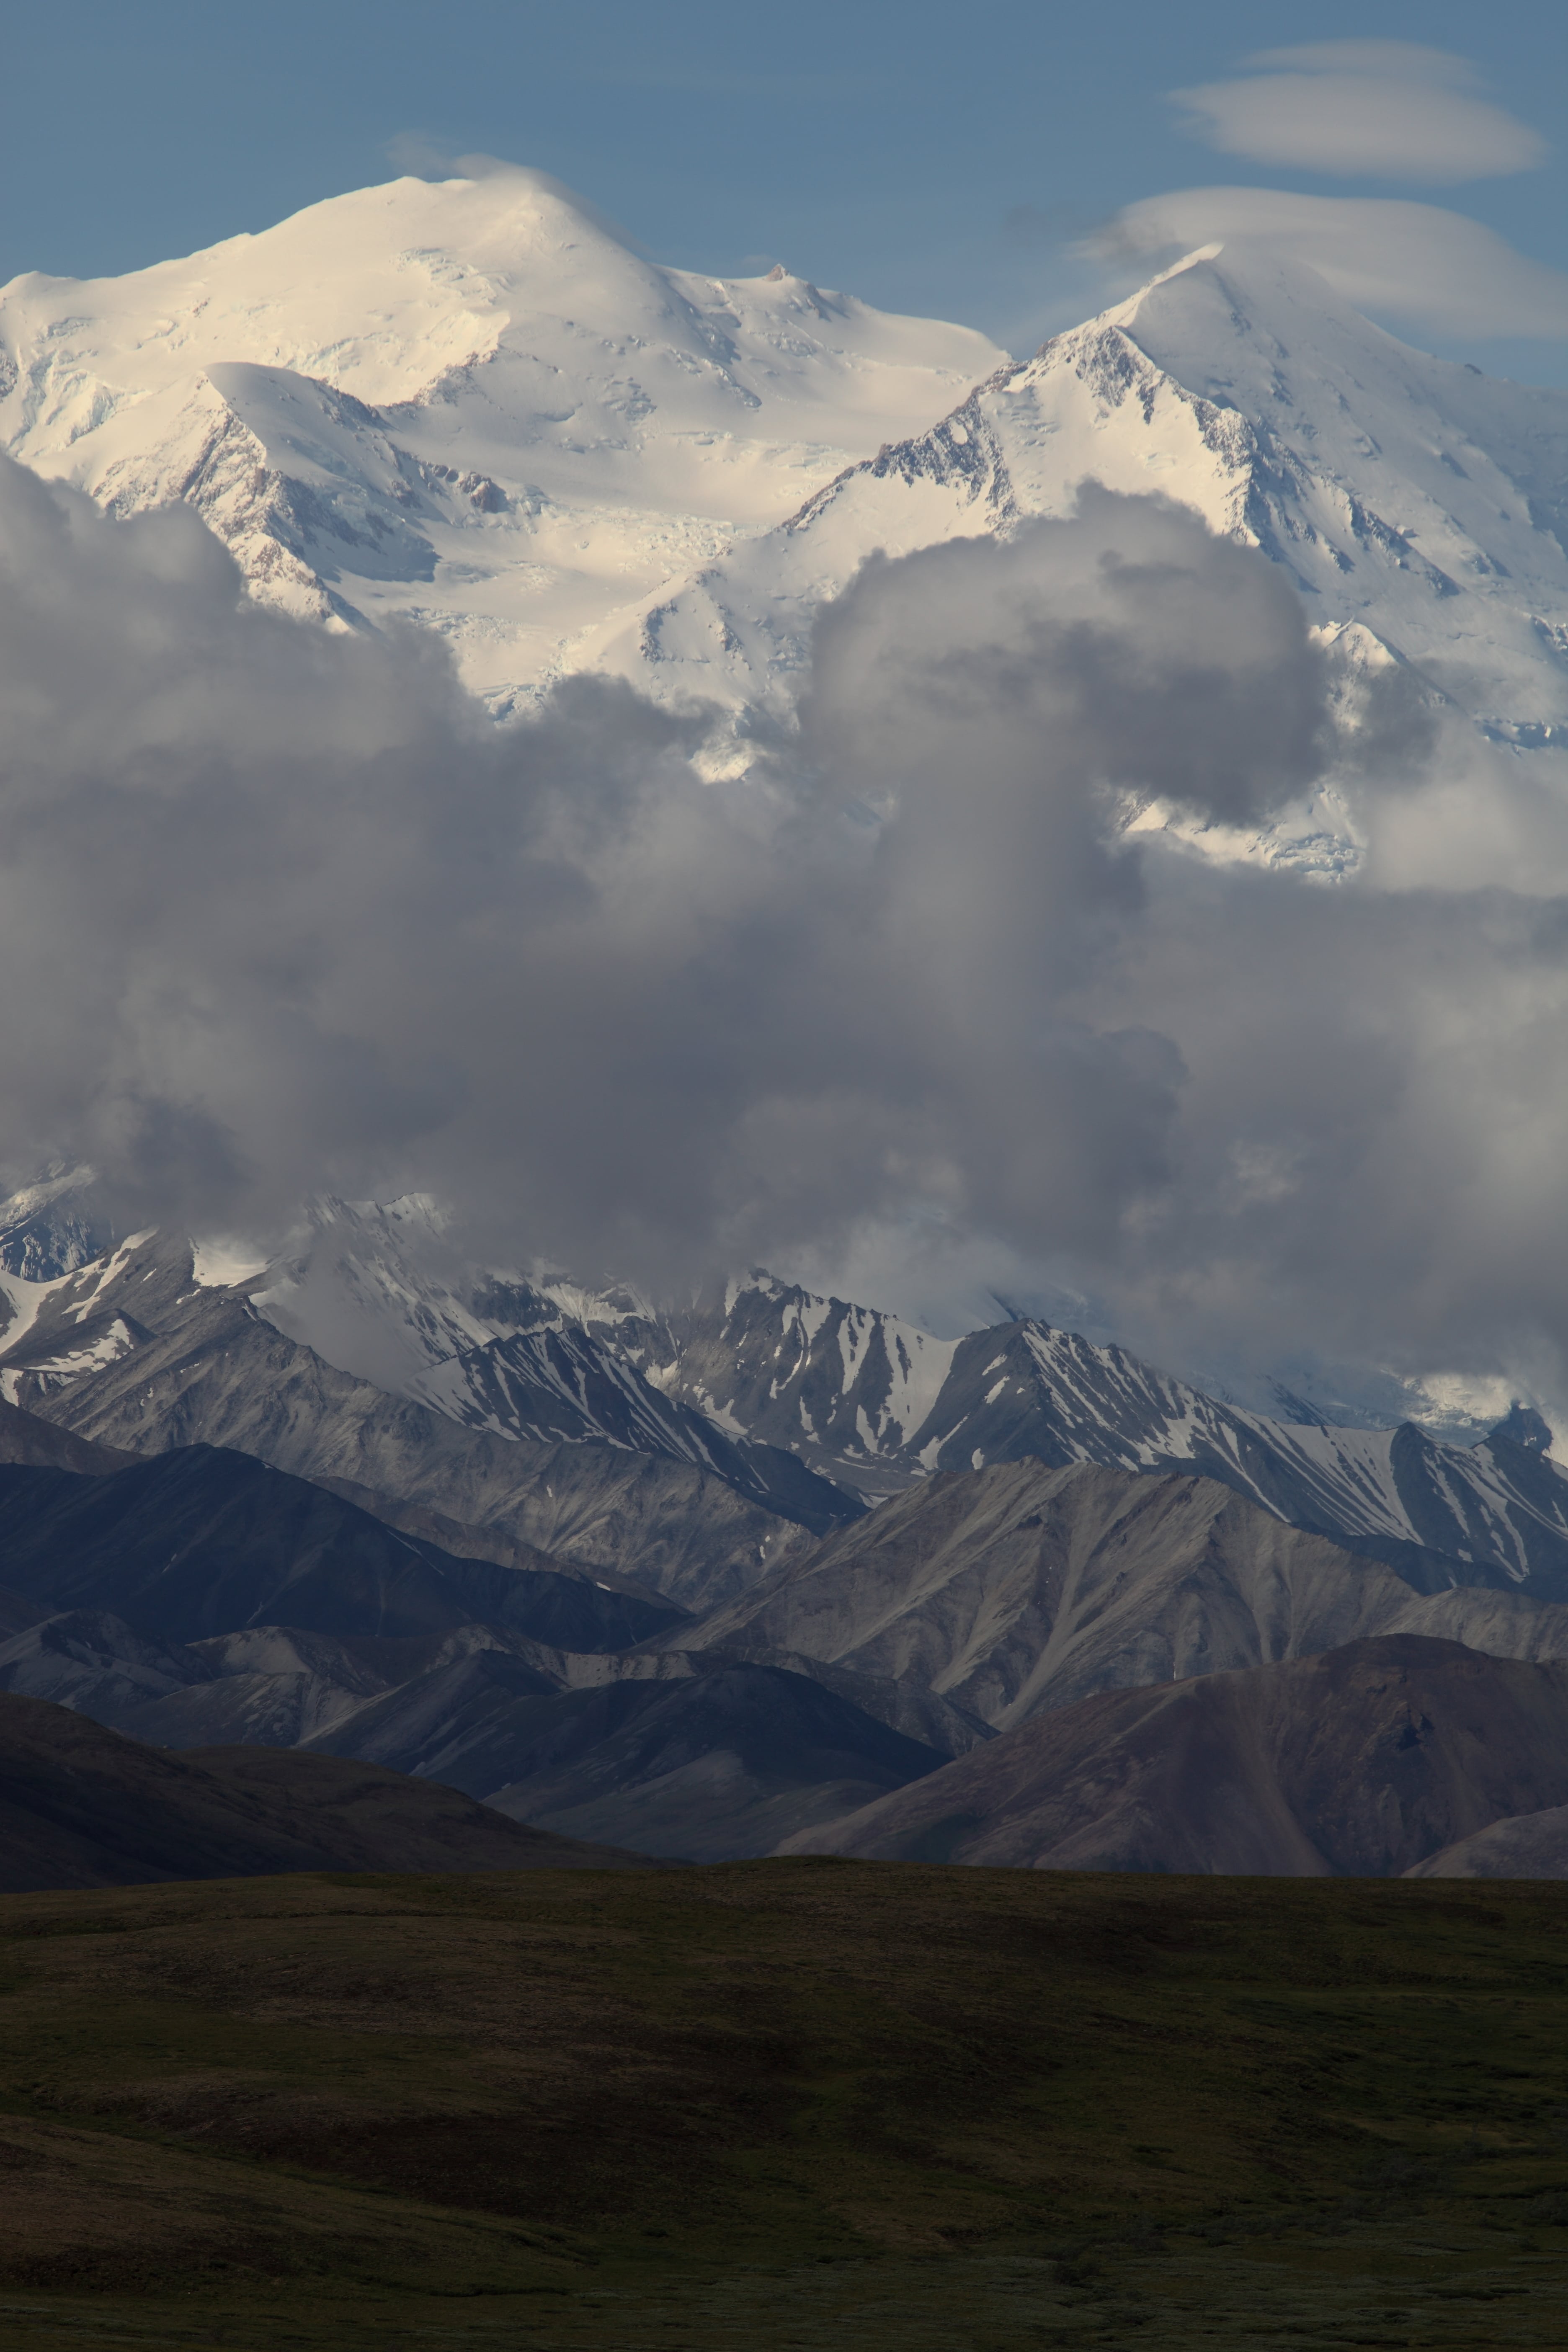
column 81, row 1806
column 1358, row 1763
column 845, row 1387
column 50, row 1229
column 1017, row 1589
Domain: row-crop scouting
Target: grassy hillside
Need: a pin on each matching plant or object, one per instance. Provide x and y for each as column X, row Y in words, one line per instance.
column 794, row 2102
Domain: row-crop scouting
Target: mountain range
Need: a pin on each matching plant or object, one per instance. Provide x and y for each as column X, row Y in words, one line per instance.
column 692, row 1448
column 474, row 403
column 1361, row 1763
column 754, row 1569
column 714, row 1696
column 1415, row 506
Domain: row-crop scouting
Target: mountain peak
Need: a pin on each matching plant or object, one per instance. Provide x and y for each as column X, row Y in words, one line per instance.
column 1522, row 1426
column 469, row 402
column 473, row 403
column 1417, row 508
column 1242, row 322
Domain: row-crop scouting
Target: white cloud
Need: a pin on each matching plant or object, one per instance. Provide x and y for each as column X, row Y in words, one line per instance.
column 422, row 159
column 1416, row 263
column 1407, row 60
column 1391, row 109
column 282, row 911
column 286, row 912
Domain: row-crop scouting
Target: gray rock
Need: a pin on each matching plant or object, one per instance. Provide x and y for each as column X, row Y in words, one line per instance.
column 1015, row 1590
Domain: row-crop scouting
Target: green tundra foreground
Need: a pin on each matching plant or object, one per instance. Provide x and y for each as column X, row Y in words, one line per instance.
column 809, row 2103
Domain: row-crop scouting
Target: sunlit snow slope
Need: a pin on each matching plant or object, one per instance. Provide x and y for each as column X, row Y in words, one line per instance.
column 473, row 403
column 469, row 402
column 1406, row 497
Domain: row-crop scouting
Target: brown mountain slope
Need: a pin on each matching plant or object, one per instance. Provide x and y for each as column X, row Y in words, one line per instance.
column 81, row 1806
column 1523, row 1845
column 1359, row 1763
column 1017, row 1589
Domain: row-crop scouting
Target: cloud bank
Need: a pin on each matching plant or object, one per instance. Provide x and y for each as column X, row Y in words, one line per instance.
column 279, row 910
column 288, row 911
column 1390, row 109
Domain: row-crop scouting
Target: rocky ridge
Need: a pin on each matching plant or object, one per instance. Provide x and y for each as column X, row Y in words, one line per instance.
column 584, row 1425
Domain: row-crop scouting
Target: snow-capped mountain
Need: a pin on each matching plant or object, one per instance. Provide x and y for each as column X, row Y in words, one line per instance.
column 470, row 403
column 545, row 1381
column 1413, row 503
column 836, row 1383
column 52, row 1227
column 870, row 1402
column 798, row 1403
column 1439, row 1514
column 474, row 404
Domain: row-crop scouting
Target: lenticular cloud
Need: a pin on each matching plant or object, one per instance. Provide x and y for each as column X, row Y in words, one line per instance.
column 1393, row 110
column 280, row 910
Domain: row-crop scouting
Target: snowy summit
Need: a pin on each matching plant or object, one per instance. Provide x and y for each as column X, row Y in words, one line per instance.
column 471, row 402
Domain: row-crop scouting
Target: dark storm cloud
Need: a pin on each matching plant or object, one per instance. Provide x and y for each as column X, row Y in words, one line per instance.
column 280, row 910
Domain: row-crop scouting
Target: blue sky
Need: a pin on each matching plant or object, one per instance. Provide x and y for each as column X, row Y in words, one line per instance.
column 939, row 158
